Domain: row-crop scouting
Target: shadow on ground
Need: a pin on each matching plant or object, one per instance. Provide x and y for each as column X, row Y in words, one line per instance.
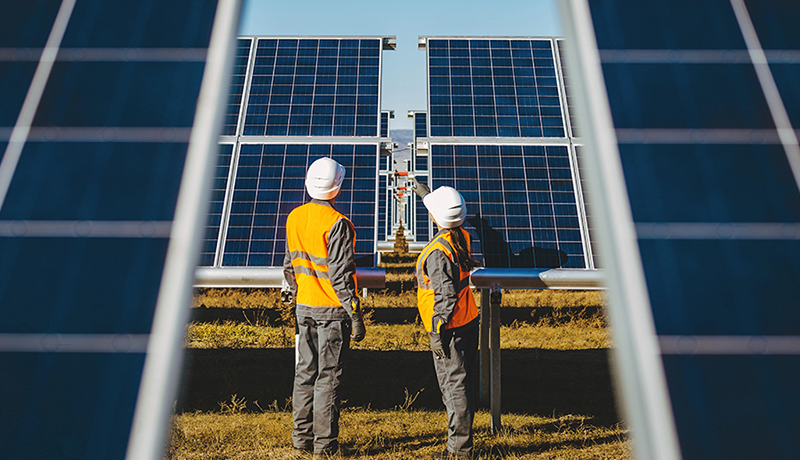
column 534, row 381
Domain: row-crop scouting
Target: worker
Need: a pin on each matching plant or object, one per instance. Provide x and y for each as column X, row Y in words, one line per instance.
column 320, row 272
column 449, row 313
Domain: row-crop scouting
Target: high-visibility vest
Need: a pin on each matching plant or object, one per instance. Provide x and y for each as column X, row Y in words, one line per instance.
column 307, row 229
column 465, row 310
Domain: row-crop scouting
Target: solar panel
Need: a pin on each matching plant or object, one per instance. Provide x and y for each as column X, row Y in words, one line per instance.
column 314, row 87
column 694, row 174
column 98, row 110
column 240, row 67
column 571, row 124
column 216, row 206
column 269, row 183
column 384, row 124
column 520, row 203
column 493, row 88
column 420, row 124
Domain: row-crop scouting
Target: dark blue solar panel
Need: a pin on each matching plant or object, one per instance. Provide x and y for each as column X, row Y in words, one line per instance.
column 493, row 88
column 587, row 208
column 237, row 86
column 715, row 215
column 43, row 392
column 217, row 205
column 269, row 184
column 314, row 87
column 382, row 208
column 384, row 124
column 520, row 202
column 420, row 124
column 422, row 229
column 86, row 220
column 573, row 132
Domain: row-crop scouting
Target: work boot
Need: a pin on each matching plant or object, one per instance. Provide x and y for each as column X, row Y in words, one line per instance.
column 340, row 451
column 301, row 451
column 447, row 455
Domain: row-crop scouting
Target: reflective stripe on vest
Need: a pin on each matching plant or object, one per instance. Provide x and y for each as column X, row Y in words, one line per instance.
column 307, row 229
column 466, row 310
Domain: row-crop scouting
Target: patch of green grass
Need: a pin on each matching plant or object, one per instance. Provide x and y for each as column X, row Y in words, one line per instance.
column 397, row 434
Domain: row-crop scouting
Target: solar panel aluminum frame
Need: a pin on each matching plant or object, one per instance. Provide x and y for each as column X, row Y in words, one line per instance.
column 226, row 204
column 640, row 377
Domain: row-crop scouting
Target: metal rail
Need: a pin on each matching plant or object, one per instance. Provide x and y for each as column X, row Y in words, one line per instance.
column 272, row 277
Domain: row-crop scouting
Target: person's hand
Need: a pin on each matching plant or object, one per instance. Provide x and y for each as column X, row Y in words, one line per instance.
column 436, row 346
column 359, row 331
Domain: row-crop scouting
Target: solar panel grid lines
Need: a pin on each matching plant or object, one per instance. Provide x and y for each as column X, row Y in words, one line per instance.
column 269, row 183
column 493, row 88
column 313, row 86
column 218, row 207
column 521, row 202
column 240, row 87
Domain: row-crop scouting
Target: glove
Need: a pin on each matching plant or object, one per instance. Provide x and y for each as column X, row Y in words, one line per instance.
column 359, row 331
column 420, row 188
column 436, row 346
column 286, row 297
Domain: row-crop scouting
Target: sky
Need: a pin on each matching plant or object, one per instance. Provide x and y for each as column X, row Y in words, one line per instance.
column 403, row 82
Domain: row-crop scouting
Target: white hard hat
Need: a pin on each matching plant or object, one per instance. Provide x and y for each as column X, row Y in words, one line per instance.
column 447, row 206
column 324, row 179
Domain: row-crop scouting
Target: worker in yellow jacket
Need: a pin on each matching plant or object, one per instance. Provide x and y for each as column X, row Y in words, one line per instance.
column 449, row 314
column 320, row 271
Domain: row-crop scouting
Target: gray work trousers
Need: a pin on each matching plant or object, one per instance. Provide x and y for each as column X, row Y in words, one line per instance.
column 455, row 373
column 320, row 349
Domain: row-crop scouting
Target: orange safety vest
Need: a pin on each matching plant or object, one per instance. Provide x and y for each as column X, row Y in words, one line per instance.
column 465, row 310
column 307, row 229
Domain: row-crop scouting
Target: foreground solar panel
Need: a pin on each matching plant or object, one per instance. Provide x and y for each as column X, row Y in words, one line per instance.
column 105, row 155
column 694, row 166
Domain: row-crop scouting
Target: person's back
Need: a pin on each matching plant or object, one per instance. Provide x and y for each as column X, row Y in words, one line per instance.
column 320, row 271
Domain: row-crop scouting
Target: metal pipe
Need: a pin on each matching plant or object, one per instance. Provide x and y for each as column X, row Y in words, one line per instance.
column 272, row 277
column 532, row 278
column 494, row 346
column 485, row 358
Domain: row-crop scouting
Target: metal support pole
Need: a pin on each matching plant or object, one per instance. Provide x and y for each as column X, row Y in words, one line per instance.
column 494, row 338
column 484, row 347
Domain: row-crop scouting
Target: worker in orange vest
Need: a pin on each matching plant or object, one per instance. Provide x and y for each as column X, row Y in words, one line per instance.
column 320, row 271
column 449, row 313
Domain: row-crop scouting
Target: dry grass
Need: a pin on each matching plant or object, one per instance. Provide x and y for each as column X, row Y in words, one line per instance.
column 398, row 434
column 576, row 335
column 270, row 298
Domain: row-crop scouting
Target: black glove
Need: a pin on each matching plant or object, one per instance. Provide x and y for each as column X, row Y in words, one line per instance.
column 420, row 188
column 436, row 346
column 359, row 331
column 286, row 297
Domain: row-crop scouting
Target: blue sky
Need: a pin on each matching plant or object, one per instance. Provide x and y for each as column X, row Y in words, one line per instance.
column 403, row 69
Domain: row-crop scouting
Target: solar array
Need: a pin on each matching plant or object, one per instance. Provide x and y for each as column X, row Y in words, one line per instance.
column 695, row 170
column 497, row 133
column 99, row 121
column 302, row 98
